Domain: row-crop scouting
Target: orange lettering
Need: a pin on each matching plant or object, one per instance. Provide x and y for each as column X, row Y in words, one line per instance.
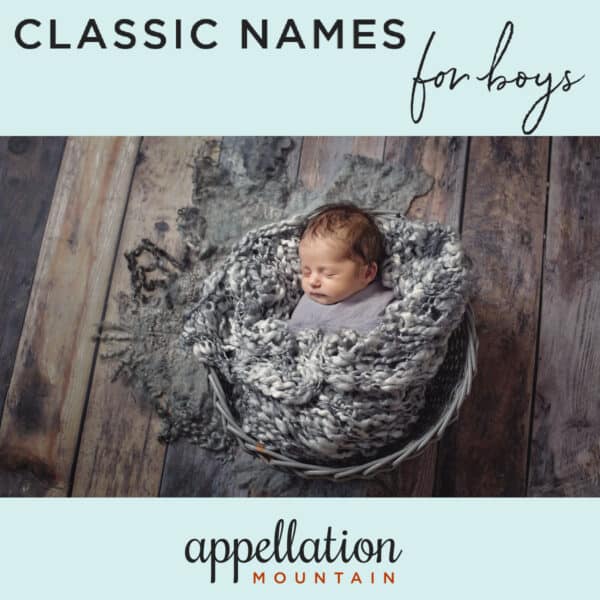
column 258, row 577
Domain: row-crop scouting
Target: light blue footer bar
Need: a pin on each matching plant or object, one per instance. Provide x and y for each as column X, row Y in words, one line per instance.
column 467, row 548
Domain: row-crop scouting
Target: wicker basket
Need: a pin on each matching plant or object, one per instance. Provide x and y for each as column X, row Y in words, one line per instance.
column 445, row 394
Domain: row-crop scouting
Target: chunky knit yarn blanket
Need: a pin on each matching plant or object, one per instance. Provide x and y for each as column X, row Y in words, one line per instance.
column 332, row 397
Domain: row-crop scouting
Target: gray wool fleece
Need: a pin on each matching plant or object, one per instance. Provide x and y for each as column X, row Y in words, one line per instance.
column 360, row 312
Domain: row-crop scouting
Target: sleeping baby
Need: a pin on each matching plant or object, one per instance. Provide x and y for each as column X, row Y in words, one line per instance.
column 340, row 251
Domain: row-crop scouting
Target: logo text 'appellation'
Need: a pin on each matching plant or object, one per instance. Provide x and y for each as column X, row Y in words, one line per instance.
column 286, row 547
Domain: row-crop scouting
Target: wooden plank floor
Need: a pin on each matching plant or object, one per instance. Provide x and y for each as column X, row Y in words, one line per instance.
column 528, row 210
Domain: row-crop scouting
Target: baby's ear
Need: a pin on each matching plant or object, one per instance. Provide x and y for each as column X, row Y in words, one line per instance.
column 371, row 271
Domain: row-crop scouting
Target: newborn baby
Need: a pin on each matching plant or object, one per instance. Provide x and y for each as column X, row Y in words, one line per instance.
column 340, row 252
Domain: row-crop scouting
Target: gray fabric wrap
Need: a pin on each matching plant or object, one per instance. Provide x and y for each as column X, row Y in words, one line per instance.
column 361, row 312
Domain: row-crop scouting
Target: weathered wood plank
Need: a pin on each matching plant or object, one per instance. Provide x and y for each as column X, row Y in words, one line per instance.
column 190, row 470
column 28, row 172
column 444, row 159
column 485, row 453
column 372, row 147
column 565, row 450
column 120, row 454
column 321, row 159
column 47, row 393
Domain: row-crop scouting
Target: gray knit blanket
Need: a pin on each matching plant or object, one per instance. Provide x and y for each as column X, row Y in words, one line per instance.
column 329, row 398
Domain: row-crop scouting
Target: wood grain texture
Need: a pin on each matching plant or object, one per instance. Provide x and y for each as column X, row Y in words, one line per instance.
column 322, row 157
column 47, row 393
column 28, row 172
column 372, row 147
column 120, row 454
column 565, row 452
column 485, row 452
column 445, row 159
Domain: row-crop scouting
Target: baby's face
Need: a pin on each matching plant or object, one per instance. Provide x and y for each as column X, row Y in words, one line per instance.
column 328, row 275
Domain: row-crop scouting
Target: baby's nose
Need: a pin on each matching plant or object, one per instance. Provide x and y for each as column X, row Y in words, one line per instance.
column 315, row 280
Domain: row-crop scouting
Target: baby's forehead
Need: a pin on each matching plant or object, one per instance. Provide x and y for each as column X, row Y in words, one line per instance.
column 323, row 248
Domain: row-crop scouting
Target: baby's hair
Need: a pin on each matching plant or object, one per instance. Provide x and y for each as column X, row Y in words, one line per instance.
column 351, row 225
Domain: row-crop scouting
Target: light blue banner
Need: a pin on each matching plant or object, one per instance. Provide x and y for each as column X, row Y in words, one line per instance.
column 467, row 548
column 180, row 67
